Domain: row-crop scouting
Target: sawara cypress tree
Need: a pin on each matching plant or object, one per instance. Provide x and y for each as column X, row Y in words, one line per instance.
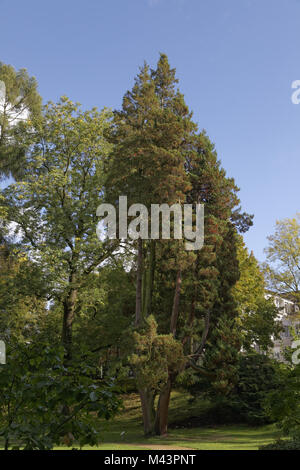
column 159, row 157
column 148, row 166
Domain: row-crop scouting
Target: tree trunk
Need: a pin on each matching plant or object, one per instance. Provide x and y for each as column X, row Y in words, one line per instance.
column 139, row 277
column 161, row 419
column 175, row 309
column 147, row 402
column 146, row 395
column 150, row 279
column 188, row 337
column 6, row 445
column 69, row 313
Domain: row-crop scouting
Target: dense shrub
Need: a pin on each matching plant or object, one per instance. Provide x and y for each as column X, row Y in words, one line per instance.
column 289, row 444
column 45, row 402
column 257, row 375
column 283, row 405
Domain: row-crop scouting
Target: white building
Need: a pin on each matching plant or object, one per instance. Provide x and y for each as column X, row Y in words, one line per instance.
column 290, row 319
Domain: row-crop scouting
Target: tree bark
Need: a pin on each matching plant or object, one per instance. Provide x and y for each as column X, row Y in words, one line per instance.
column 161, row 419
column 139, row 277
column 188, row 338
column 150, row 279
column 146, row 395
column 205, row 332
column 6, row 445
column 175, row 309
column 147, row 402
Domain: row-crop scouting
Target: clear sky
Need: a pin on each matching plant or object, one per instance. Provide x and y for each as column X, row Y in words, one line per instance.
column 236, row 61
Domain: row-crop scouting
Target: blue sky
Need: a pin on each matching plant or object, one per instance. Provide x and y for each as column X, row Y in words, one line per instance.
column 235, row 59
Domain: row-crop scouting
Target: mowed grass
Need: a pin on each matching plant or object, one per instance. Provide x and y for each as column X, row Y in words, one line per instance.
column 125, row 431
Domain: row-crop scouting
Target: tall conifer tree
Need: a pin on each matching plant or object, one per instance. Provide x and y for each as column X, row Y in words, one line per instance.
column 160, row 158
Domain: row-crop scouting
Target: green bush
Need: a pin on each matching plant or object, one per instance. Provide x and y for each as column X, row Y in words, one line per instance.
column 44, row 401
column 283, row 403
column 289, row 444
column 257, row 375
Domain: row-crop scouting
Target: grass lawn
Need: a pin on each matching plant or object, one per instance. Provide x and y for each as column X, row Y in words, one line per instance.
column 125, row 431
column 225, row 437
